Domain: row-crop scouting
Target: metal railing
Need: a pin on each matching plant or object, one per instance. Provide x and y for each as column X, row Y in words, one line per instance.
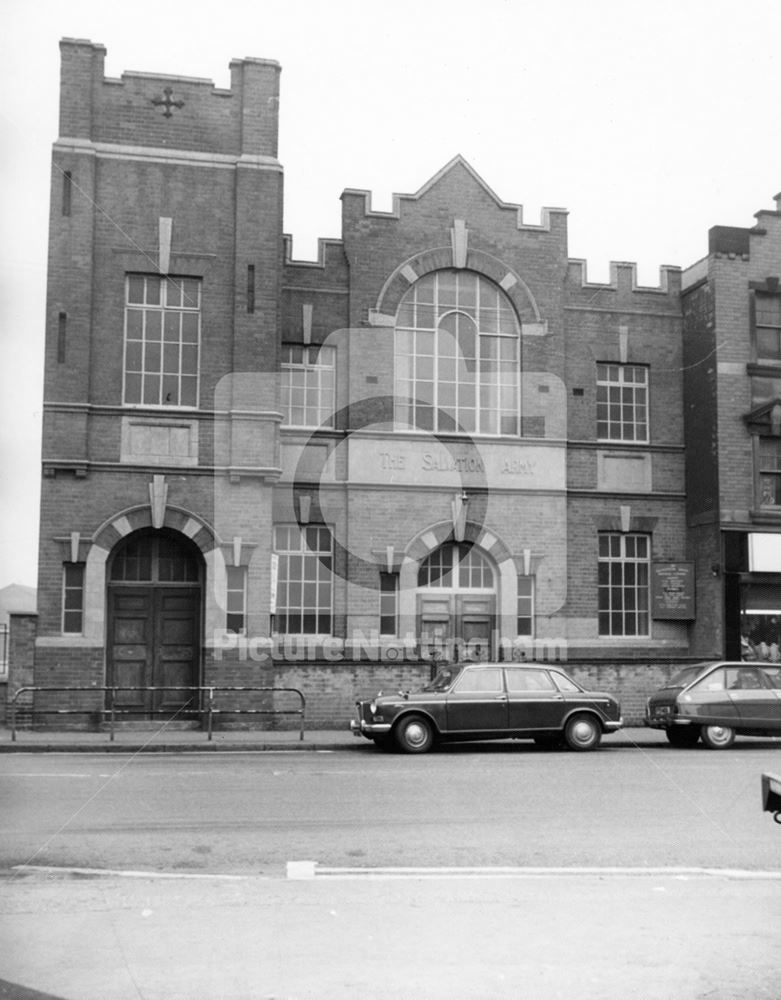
column 191, row 706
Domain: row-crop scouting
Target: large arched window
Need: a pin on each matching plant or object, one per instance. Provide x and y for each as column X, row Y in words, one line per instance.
column 457, row 356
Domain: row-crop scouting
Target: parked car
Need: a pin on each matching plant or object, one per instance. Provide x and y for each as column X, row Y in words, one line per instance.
column 490, row 701
column 715, row 702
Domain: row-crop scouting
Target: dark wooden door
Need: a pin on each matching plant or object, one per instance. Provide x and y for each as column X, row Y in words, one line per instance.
column 176, row 649
column 154, row 643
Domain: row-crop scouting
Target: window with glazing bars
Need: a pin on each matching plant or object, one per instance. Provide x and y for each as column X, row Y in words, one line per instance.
column 304, row 580
column 622, row 402
column 308, row 385
column 154, row 559
column 767, row 325
column 389, row 603
column 456, row 566
column 162, row 338
column 769, row 456
column 457, row 356
column 624, row 571
column 236, row 610
column 3, row 650
column 525, row 624
column 73, row 598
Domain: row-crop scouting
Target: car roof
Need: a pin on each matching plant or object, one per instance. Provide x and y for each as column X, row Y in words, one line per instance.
column 509, row 665
column 745, row 664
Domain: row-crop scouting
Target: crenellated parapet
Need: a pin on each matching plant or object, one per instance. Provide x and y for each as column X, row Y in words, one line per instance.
column 163, row 112
column 330, row 253
column 358, row 202
column 314, row 297
column 623, row 277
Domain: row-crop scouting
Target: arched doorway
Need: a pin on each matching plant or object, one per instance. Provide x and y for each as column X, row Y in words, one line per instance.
column 457, row 603
column 154, row 623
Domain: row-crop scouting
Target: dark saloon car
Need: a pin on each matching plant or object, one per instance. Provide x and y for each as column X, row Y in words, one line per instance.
column 490, row 701
column 715, row 702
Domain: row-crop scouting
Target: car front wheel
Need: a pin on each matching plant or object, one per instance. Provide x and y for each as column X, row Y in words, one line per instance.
column 414, row 734
column 683, row 736
column 582, row 732
column 718, row 737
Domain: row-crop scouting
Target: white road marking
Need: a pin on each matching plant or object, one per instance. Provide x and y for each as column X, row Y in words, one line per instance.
column 304, row 870
column 66, row 870
column 49, row 774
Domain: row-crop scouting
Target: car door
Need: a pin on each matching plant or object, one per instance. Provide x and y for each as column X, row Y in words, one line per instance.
column 534, row 701
column 708, row 700
column 752, row 692
column 478, row 702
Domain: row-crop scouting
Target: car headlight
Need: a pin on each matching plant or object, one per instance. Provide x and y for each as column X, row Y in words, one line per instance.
column 372, row 707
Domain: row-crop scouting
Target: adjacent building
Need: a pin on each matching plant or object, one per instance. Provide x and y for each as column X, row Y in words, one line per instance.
column 732, row 390
column 438, row 440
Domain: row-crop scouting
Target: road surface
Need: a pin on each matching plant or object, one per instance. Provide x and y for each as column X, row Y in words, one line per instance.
column 496, row 873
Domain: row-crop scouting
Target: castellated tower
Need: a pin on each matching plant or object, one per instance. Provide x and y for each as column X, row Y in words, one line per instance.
column 165, row 264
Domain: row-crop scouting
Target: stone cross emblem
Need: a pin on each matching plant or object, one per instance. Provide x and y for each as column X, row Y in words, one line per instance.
column 167, row 102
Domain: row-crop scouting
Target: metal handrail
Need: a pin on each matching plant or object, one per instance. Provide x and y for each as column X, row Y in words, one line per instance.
column 210, row 711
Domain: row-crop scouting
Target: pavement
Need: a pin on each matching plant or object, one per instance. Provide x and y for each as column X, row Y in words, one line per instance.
column 164, row 739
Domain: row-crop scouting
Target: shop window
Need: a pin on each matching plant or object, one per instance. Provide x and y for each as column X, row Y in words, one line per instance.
column 73, row 598
column 525, row 624
column 236, row 610
column 308, row 385
column 760, row 622
column 457, row 357
column 304, row 580
column 162, row 337
column 623, row 587
column 389, row 603
column 767, row 327
column 622, row 403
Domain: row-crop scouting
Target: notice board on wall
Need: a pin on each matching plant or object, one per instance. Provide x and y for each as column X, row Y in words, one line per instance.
column 672, row 590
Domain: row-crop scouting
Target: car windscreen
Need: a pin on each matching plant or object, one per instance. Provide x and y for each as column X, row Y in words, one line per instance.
column 443, row 679
column 565, row 682
column 686, row 676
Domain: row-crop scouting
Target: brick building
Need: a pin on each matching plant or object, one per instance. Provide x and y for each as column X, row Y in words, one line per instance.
column 732, row 353
column 438, row 440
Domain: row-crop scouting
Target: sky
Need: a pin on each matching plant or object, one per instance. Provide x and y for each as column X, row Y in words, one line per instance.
column 649, row 121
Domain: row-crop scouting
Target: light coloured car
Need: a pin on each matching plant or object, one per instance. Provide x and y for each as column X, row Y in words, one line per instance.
column 716, row 701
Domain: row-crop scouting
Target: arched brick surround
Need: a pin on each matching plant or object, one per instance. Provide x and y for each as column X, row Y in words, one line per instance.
column 478, row 261
column 435, row 535
column 124, row 523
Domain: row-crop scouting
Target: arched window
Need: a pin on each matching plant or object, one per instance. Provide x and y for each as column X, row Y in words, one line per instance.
column 455, row 566
column 457, row 356
column 155, row 557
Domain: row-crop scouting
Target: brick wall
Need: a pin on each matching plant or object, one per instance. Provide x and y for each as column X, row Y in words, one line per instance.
column 22, row 631
column 330, row 689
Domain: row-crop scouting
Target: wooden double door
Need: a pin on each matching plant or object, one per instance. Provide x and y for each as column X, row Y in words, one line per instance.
column 154, row 642
column 457, row 625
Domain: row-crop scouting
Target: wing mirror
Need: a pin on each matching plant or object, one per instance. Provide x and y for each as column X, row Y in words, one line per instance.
column 771, row 795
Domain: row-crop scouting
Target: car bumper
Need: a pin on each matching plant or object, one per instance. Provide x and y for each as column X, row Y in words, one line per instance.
column 369, row 729
column 667, row 723
column 612, row 725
